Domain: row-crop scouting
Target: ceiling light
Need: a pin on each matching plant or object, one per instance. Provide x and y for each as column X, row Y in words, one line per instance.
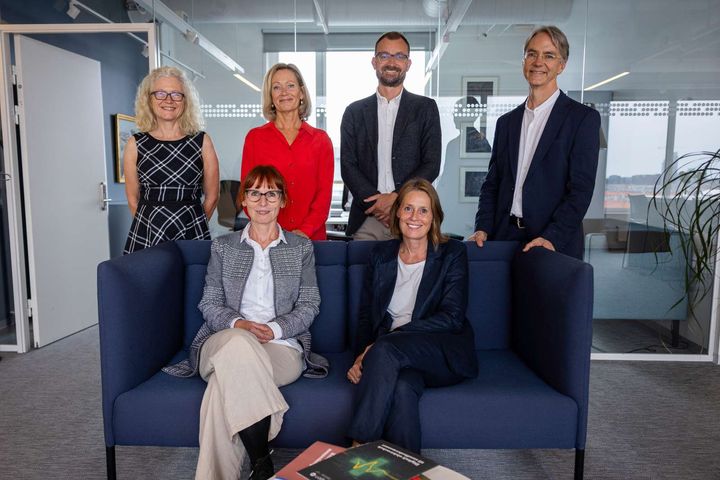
column 608, row 80
column 73, row 11
column 164, row 14
column 246, row 82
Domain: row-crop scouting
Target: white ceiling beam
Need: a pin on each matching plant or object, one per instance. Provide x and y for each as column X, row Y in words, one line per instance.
column 321, row 17
column 165, row 14
column 443, row 40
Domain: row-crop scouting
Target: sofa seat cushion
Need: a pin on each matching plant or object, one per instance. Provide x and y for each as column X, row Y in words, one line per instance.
column 320, row 409
column 506, row 406
column 163, row 410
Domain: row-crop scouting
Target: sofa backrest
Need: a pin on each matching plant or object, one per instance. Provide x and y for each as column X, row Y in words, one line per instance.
column 330, row 330
column 490, row 290
column 490, row 298
column 196, row 254
column 340, row 270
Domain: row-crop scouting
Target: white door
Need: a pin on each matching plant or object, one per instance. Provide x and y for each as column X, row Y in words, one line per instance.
column 63, row 159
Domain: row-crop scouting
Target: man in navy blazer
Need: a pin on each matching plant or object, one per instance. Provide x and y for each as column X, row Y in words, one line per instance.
column 544, row 158
column 386, row 139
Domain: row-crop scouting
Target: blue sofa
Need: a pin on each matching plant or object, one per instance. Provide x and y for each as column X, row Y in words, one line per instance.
column 532, row 315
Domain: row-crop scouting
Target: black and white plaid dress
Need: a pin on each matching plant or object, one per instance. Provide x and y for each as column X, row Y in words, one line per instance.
column 170, row 175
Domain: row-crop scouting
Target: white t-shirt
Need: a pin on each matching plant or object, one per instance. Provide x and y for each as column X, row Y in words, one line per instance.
column 403, row 299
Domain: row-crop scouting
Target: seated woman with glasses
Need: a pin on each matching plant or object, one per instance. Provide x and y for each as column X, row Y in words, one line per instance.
column 302, row 153
column 412, row 331
column 260, row 298
column 171, row 169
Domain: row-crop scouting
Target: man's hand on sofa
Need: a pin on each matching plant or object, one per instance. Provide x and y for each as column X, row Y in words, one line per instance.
column 539, row 242
column 479, row 237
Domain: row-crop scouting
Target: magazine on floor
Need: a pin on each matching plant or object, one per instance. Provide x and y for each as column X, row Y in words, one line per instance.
column 374, row 460
column 315, row 453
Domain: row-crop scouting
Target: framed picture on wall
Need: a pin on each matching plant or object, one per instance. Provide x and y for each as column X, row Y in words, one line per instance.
column 124, row 128
column 471, row 179
column 473, row 134
column 480, row 87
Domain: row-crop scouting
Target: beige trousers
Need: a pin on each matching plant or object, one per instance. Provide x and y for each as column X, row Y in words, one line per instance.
column 243, row 377
column 372, row 229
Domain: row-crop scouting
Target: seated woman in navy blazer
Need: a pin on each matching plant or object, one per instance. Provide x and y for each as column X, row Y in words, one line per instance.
column 412, row 330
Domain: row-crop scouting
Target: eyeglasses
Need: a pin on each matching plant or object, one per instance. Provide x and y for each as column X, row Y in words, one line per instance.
column 272, row 196
column 546, row 57
column 384, row 56
column 162, row 95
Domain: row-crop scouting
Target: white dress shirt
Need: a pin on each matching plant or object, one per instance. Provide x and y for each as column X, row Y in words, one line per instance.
column 403, row 299
column 258, row 301
column 533, row 124
column 386, row 114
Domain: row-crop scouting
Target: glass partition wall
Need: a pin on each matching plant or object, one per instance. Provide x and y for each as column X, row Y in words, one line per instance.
column 650, row 68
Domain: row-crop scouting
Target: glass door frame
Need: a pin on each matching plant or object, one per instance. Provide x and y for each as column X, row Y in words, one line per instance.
column 18, row 260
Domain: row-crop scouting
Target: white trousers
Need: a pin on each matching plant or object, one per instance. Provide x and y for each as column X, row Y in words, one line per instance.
column 243, row 377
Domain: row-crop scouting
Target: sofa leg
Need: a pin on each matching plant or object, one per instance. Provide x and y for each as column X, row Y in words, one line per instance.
column 110, row 461
column 579, row 463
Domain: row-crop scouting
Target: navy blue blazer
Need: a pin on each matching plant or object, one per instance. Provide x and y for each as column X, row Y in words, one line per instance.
column 439, row 306
column 416, row 148
column 559, row 184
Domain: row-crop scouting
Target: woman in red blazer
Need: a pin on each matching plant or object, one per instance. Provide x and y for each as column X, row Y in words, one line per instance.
column 302, row 154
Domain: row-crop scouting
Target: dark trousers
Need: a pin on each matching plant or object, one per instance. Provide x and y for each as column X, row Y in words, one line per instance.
column 395, row 371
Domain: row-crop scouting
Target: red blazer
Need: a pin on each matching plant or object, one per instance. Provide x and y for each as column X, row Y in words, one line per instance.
column 307, row 166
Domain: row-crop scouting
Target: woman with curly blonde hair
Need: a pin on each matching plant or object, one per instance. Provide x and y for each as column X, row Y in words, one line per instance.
column 171, row 168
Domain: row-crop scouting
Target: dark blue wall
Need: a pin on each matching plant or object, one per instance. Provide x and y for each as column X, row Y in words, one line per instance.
column 122, row 65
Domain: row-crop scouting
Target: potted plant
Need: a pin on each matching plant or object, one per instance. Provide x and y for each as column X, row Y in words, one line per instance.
column 687, row 197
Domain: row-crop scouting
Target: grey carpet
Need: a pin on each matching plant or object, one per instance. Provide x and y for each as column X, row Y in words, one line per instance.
column 647, row 421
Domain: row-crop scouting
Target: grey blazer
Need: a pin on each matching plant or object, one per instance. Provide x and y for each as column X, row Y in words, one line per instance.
column 416, row 148
column 297, row 298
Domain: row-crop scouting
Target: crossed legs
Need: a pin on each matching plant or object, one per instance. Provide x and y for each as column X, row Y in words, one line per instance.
column 243, row 377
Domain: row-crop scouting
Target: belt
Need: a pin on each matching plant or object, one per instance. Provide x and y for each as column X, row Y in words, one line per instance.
column 168, row 203
column 517, row 221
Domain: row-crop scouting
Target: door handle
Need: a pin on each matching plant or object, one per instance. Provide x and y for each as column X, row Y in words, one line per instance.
column 104, row 200
column 6, row 176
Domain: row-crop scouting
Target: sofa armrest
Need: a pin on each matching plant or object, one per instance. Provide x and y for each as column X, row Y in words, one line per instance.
column 140, row 313
column 552, row 322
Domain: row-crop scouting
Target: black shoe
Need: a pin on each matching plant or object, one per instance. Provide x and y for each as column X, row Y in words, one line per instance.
column 263, row 469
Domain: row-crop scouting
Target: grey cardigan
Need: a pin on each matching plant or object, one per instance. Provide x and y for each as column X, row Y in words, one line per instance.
column 297, row 298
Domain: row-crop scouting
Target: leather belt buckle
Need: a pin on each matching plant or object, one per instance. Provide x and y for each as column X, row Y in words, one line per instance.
column 517, row 221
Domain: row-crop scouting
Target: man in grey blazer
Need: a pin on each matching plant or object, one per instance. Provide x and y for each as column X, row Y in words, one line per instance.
column 386, row 139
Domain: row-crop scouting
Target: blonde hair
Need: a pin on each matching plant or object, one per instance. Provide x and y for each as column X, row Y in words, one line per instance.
column 267, row 103
column 191, row 121
column 419, row 185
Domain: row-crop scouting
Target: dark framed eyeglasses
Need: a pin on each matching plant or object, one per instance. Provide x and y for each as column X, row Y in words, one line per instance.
column 162, row 95
column 384, row 56
column 272, row 196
